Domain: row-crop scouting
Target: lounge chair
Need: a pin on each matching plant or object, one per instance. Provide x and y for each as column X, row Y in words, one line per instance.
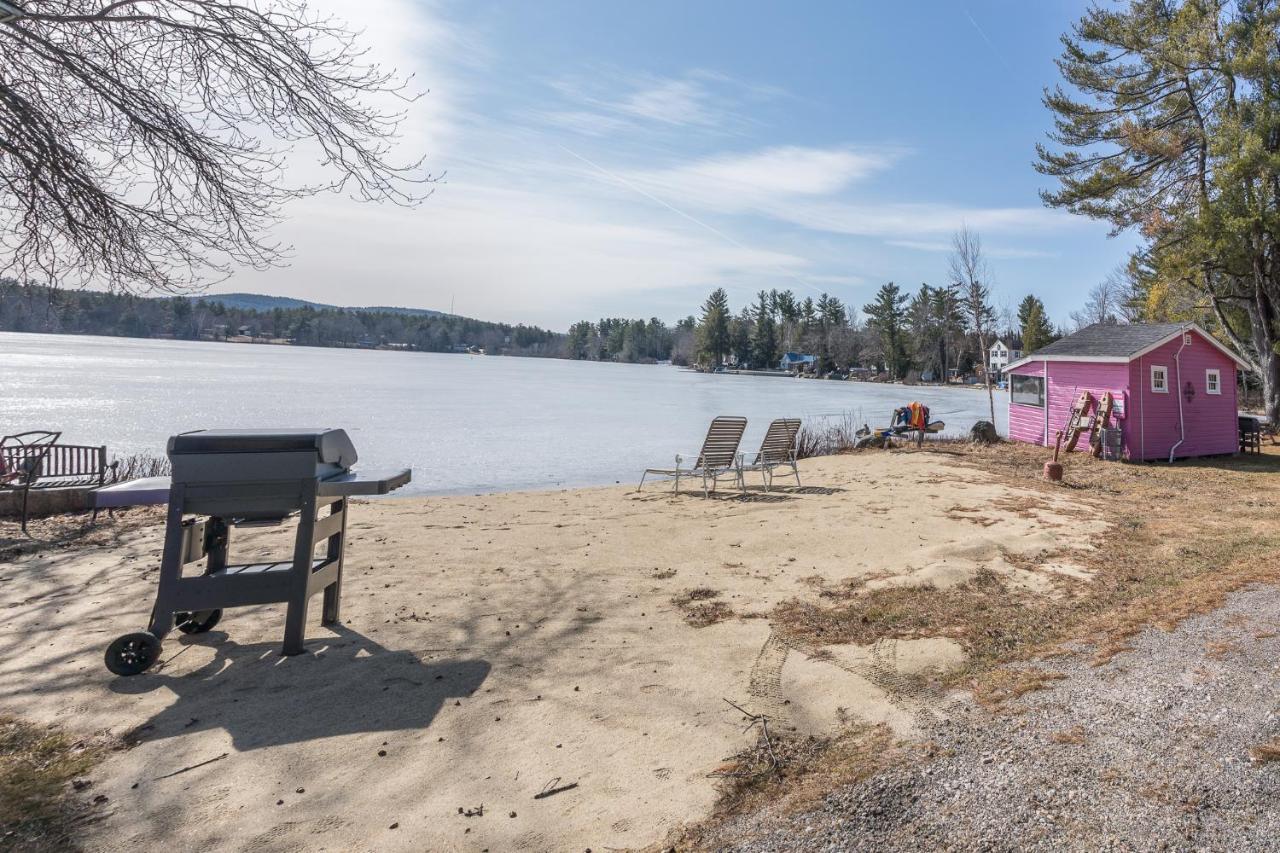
column 777, row 450
column 719, row 456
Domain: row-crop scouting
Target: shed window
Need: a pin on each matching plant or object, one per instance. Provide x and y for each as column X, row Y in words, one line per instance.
column 1159, row 379
column 1213, row 381
column 1027, row 390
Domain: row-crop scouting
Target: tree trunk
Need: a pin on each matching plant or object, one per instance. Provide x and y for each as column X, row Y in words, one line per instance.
column 1263, row 324
column 1271, row 388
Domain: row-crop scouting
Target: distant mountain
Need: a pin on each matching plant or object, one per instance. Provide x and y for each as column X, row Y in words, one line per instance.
column 263, row 302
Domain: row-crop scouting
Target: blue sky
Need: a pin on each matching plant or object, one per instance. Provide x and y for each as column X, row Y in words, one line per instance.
column 606, row 159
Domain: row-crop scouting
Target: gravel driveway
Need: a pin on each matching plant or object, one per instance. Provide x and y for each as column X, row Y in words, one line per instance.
column 1147, row 752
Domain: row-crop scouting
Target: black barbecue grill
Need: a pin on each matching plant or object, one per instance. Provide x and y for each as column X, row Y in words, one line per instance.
column 225, row 478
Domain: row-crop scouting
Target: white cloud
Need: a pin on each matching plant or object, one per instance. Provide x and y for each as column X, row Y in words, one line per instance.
column 738, row 183
column 996, row 252
column 910, row 220
column 670, row 101
column 507, row 254
column 612, row 102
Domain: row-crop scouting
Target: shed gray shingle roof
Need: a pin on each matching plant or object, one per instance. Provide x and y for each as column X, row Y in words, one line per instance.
column 1110, row 340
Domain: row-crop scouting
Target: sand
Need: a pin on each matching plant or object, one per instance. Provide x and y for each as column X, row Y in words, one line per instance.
column 496, row 646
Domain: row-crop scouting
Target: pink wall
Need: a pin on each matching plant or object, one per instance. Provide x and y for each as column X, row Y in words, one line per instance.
column 1067, row 380
column 1150, row 420
column 1211, row 426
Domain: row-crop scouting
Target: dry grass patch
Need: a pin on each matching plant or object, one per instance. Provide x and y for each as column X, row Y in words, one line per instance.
column 976, row 612
column 789, row 773
column 36, row 767
column 1265, row 752
column 992, row 689
column 1073, row 735
column 1219, row 649
column 701, row 606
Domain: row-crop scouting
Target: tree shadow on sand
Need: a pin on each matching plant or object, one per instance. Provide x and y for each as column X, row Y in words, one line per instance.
column 348, row 685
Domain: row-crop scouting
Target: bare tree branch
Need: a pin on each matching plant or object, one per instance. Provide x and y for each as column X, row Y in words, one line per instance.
column 144, row 143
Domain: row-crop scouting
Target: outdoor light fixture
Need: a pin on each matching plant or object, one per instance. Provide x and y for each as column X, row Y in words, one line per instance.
column 9, row 12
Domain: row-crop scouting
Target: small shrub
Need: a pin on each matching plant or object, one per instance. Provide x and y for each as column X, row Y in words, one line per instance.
column 139, row 465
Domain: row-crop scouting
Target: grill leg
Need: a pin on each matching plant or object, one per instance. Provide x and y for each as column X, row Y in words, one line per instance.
column 337, row 550
column 170, row 566
column 295, row 620
column 295, row 628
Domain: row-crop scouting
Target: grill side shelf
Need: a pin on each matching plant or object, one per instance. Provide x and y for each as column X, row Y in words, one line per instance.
column 353, row 483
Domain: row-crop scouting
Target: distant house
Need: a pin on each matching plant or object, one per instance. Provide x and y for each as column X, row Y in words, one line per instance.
column 796, row 361
column 1174, row 388
column 999, row 357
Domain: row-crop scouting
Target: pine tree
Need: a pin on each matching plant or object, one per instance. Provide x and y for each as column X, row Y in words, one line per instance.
column 887, row 315
column 1036, row 330
column 764, row 340
column 1168, row 126
column 713, row 330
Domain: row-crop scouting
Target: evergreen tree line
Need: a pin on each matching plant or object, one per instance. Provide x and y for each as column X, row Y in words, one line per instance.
column 930, row 332
column 619, row 339
column 32, row 308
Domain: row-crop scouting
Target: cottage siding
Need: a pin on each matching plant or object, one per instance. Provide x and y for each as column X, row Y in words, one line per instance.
column 1069, row 379
column 1211, row 426
column 1026, row 423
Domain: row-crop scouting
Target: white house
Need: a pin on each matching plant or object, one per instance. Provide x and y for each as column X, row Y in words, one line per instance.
column 1000, row 356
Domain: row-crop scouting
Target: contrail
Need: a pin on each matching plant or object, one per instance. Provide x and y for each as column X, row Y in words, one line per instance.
column 695, row 220
column 990, row 44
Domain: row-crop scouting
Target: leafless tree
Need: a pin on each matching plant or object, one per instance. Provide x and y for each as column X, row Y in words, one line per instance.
column 969, row 272
column 1111, row 300
column 143, row 143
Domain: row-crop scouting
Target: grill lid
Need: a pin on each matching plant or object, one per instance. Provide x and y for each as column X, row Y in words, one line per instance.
column 331, row 446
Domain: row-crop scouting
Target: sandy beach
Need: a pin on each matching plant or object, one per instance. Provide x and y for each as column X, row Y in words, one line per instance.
column 496, row 647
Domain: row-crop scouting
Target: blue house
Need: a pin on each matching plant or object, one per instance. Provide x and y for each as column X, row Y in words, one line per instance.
column 793, row 360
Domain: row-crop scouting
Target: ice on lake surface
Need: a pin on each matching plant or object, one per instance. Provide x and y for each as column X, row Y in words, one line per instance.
column 463, row 423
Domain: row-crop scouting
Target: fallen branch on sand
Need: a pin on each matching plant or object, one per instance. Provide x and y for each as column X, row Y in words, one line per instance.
column 192, row 767
column 552, row 788
column 741, row 769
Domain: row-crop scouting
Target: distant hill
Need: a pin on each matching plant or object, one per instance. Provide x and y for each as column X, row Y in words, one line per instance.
column 263, row 302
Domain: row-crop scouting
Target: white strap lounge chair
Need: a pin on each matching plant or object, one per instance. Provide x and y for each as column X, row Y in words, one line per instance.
column 776, row 451
column 719, row 456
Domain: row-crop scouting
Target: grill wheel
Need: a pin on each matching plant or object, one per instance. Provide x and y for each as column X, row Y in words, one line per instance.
column 133, row 653
column 197, row 622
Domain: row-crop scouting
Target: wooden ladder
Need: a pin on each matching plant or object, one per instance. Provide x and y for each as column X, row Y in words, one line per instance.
column 1075, row 424
column 1101, row 420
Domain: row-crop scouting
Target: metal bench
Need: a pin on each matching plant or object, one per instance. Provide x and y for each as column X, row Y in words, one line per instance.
column 35, row 460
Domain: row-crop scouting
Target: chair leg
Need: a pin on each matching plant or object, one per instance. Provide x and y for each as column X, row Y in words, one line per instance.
column 25, row 492
column 642, row 476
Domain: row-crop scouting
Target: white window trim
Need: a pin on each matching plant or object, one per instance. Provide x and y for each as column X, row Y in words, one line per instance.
column 1216, row 386
column 1164, row 373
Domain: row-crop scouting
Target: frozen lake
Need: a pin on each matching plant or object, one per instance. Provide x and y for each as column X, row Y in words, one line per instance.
column 463, row 423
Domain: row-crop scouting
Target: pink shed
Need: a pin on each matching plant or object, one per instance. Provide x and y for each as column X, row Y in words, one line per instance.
column 1174, row 386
